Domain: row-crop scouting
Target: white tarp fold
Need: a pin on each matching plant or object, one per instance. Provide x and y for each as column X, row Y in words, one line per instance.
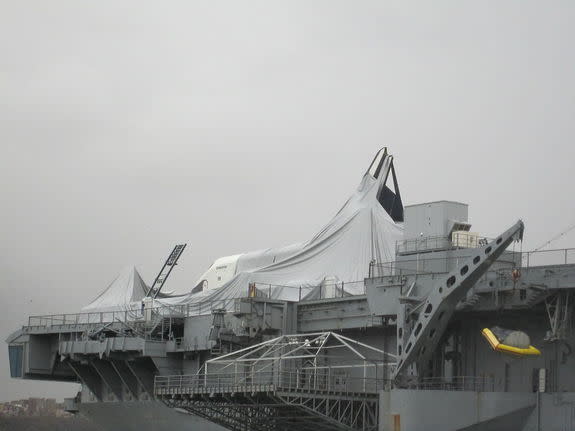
column 362, row 231
column 126, row 289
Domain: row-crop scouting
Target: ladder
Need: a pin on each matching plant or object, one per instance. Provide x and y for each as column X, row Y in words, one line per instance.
column 164, row 273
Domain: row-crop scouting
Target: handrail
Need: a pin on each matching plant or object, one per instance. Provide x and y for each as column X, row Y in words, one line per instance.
column 524, row 260
column 134, row 314
column 325, row 380
column 440, row 265
column 440, row 242
column 559, row 256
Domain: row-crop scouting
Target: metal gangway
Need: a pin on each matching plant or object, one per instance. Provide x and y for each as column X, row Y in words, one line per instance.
column 309, row 381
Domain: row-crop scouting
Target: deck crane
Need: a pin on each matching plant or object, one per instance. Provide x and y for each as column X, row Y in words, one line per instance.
column 164, row 273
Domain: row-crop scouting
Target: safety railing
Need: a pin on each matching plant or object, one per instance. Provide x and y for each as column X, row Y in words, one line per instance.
column 302, row 380
column 428, row 265
column 430, row 243
column 134, row 314
column 422, row 244
column 510, row 259
column 323, row 381
column 563, row 256
column 460, row 383
column 328, row 290
column 79, row 318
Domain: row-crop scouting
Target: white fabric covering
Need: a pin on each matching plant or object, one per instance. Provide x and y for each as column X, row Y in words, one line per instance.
column 127, row 288
column 360, row 232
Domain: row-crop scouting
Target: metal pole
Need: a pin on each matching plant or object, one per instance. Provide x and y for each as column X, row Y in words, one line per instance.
column 364, row 374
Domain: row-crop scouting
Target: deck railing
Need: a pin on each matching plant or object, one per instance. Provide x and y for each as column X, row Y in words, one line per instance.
column 322, row 381
column 432, row 265
column 131, row 315
column 459, row 383
column 524, row 260
column 562, row 256
column 289, row 381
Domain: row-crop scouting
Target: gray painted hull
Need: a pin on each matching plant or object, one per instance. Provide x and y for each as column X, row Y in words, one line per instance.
column 142, row 416
column 419, row 411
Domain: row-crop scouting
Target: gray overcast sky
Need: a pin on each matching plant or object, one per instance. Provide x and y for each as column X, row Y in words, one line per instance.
column 126, row 127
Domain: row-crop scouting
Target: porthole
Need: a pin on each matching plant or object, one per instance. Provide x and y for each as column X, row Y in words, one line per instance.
column 400, row 333
column 408, row 348
column 499, row 240
column 488, row 250
column 451, row 281
column 428, row 308
column 399, row 350
column 464, row 270
column 418, row 329
column 476, row 260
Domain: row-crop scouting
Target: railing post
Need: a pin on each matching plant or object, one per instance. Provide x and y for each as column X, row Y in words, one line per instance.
column 364, row 374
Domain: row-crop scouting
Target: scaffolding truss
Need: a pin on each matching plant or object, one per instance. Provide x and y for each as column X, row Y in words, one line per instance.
column 312, row 381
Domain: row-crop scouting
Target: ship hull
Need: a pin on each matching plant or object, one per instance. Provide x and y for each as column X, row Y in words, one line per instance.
column 446, row 410
column 142, row 416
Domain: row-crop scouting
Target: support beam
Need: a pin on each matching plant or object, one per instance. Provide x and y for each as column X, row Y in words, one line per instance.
column 89, row 378
column 126, row 375
column 144, row 373
column 109, row 376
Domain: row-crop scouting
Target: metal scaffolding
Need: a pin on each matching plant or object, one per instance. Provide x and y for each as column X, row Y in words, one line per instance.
column 315, row 381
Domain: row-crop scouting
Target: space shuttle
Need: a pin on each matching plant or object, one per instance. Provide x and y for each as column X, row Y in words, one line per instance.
column 365, row 229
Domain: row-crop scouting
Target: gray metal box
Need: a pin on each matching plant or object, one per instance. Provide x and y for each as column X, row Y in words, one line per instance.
column 433, row 218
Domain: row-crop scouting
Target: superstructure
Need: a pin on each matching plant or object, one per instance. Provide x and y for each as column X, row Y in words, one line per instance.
column 390, row 318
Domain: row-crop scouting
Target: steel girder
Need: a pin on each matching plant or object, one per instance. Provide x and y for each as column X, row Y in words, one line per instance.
column 281, row 411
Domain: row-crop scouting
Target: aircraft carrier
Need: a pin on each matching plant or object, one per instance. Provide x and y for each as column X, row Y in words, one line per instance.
column 392, row 317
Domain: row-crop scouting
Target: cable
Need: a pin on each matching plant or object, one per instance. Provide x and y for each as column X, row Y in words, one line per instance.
column 556, row 237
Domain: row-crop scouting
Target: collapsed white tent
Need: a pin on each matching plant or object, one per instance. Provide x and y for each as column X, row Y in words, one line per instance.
column 365, row 229
column 122, row 293
column 361, row 232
